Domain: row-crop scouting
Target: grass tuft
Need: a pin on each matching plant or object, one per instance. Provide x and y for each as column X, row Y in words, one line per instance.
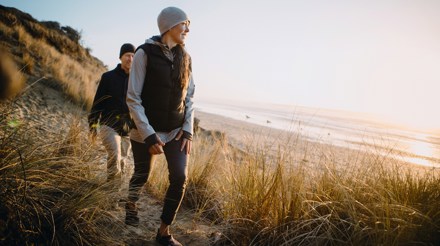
column 49, row 193
column 267, row 197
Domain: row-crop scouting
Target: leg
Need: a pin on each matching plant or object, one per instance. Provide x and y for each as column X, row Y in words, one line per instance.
column 178, row 169
column 142, row 165
column 125, row 150
column 112, row 143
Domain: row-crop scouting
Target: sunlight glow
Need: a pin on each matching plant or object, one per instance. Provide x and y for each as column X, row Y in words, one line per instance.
column 424, row 152
column 414, row 120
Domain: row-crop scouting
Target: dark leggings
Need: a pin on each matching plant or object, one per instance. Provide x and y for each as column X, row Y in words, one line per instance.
column 177, row 172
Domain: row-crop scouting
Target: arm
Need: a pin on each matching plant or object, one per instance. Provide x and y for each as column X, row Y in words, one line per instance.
column 188, row 124
column 98, row 104
column 134, row 100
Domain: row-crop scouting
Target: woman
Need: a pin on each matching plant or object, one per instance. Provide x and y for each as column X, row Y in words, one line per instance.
column 159, row 97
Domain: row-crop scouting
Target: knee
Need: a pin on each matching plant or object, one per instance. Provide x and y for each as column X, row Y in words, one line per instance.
column 139, row 179
column 179, row 180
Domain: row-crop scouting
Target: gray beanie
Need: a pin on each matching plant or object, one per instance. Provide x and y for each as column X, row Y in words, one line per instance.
column 169, row 17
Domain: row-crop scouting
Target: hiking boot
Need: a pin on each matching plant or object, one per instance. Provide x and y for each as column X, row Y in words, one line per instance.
column 131, row 214
column 167, row 240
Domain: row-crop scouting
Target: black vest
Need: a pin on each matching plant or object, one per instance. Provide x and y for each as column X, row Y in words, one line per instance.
column 162, row 95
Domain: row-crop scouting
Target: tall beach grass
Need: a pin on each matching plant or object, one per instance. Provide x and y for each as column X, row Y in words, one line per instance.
column 258, row 196
column 49, row 191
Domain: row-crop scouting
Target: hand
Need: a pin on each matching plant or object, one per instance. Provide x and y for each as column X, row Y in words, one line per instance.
column 93, row 135
column 157, row 148
column 186, row 143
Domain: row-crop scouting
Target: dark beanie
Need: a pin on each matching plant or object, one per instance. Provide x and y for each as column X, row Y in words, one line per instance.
column 126, row 48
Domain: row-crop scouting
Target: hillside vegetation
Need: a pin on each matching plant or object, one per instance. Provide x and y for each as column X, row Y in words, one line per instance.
column 51, row 53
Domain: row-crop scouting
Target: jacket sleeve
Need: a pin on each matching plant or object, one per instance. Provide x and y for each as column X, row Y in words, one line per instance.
column 134, row 91
column 188, row 124
column 98, row 102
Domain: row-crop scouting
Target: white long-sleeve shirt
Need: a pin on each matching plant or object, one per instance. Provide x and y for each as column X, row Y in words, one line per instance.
column 134, row 101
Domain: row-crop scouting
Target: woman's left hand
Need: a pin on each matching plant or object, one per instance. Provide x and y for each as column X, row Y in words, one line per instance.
column 186, row 143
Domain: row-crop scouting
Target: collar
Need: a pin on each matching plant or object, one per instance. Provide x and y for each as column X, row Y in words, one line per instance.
column 119, row 70
column 156, row 40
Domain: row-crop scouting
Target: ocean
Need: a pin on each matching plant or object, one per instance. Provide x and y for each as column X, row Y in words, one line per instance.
column 335, row 127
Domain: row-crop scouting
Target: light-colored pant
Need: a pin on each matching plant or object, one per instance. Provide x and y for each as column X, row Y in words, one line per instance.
column 117, row 148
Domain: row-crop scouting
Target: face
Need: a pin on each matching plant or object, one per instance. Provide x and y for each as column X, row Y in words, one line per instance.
column 126, row 60
column 178, row 32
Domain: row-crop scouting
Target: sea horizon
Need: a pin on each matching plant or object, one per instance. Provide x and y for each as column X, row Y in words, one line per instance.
column 336, row 127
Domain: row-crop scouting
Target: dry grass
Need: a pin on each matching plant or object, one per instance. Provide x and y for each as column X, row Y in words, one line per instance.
column 50, row 54
column 50, row 194
column 262, row 198
column 73, row 77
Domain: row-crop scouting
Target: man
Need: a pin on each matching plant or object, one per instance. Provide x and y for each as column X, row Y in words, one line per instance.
column 110, row 116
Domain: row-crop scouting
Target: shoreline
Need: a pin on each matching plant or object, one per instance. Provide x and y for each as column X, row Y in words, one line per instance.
column 242, row 134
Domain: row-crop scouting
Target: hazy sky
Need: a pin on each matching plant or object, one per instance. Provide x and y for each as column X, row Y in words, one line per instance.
column 376, row 56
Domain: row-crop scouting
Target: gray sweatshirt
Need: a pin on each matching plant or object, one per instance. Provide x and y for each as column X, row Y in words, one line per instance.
column 134, row 101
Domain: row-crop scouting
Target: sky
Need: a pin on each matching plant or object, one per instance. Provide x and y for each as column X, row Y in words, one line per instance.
column 374, row 56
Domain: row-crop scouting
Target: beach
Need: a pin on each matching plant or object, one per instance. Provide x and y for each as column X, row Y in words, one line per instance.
column 245, row 135
column 302, row 150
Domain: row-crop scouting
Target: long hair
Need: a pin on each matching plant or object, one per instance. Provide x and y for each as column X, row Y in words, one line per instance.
column 184, row 65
